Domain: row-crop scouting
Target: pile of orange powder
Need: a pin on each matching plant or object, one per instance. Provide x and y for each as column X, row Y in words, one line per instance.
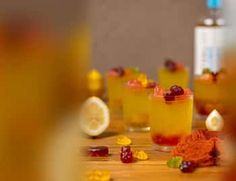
column 202, row 147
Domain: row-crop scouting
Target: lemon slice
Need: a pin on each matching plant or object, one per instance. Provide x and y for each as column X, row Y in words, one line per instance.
column 94, row 117
column 214, row 121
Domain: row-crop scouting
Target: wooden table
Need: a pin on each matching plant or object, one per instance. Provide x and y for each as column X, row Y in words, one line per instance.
column 153, row 169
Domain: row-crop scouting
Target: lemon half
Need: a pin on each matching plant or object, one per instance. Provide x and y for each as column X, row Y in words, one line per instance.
column 94, row 117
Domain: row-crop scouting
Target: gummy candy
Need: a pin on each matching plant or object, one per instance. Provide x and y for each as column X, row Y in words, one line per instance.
column 123, row 140
column 175, row 162
column 140, row 155
column 143, row 79
column 126, row 155
column 98, row 175
column 98, row 151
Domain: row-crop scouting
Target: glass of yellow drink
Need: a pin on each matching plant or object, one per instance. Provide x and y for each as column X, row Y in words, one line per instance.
column 208, row 92
column 170, row 116
column 116, row 79
column 173, row 73
column 136, row 104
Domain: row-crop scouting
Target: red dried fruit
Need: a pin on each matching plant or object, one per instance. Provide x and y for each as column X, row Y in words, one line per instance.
column 170, row 65
column 187, row 166
column 119, row 71
column 169, row 96
column 215, row 76
column 151, row 84
column 98, row 151
column 177, row 90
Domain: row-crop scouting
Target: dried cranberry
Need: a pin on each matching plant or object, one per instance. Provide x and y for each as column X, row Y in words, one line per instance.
column 98, row 151
column 177, row 90
column 170, row 65
column 169, row 96
column 214, row 76
column 151, row 85
column 187, row 166
column 119, row 71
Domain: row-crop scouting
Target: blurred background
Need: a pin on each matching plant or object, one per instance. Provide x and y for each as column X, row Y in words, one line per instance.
column 142, row 33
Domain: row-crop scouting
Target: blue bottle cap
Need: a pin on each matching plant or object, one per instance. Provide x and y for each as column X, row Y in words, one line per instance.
column 214, row 4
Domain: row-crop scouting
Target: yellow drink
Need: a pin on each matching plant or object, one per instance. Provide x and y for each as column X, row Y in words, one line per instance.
column 170, row 120
column 116, row 79
column 208, row 93
column 136, row 106
column 168, row 78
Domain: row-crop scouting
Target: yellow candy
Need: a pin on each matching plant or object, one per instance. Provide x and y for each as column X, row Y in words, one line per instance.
column 141, row 155
column 143, row 79
column 123, row 140
column 98, row 175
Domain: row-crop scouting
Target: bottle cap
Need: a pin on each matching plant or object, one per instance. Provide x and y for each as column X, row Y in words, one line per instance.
column 214, row 4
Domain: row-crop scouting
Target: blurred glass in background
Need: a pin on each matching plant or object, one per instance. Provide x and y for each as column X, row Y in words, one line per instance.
column 44, row 54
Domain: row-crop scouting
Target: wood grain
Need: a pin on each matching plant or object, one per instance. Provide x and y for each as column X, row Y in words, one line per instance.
column 153, row 169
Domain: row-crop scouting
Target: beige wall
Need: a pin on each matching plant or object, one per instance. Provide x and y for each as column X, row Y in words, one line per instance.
column 143, row 32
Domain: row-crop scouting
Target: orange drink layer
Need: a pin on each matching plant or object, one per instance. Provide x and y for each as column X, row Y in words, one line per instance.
column 136, row 105
column 173, row 74
column 170, row 117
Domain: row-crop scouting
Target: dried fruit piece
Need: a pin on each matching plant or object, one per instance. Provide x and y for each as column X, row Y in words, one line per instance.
column 123, row 140
column 140, row 155
column 214, row 121
column 118, row 72
column 151, row 84
column 177, row 90
column 175, row 162
column 170, row 65
column 214, row 76
column 98, row 151
column 187, row 167
column 98, row 175
column 126, row 155
column 169, row 96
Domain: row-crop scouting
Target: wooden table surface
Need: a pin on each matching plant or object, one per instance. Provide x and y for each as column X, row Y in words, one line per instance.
column 154, row 168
